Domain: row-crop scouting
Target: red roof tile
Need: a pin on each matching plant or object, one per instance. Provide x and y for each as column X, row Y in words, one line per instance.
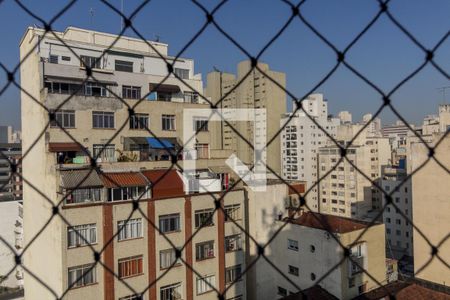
column 328, row 222
column 165, row 183
column 403, row 291
column 122, row 179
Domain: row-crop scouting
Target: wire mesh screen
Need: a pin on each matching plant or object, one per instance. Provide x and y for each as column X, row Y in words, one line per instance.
column 217, row 199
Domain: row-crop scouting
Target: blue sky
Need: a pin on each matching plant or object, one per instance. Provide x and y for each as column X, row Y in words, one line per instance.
column 385, row 55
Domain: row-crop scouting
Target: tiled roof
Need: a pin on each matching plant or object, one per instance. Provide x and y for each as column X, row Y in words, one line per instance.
column 313, row 293
column 403, row 291
column 328, row 222
column 72, row 179
column 123, row 179
column 165, row 183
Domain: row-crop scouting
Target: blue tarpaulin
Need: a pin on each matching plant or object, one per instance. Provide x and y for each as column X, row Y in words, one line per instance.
column 159, row 144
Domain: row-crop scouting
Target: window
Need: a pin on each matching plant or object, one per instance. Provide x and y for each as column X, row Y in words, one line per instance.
column 233, row 243
column 171, row 292
column 81, row 235
column 64, row 119
column 204, row 250
column 205, row 284
column 312, row 248
column 398, row 221
column 190, row 97
column 139, row 121
column 90, row 61
column 124, row 66
column 293, row 270
column 181, row 73
column 102, row 119
column 53, row 59
column 351, row 282
column 388, row 220
column 128, row 193
column 95, row 89
column 313, row 276
column 105, row 153
column 293, row 245
column 202, row 150
column 232, row 212
column 200, row 124
column 131, row 92
column 282, row 291
column 169, row 223
column 65, row 58
column 81, row 276
column 398, row 232
column 167, row 258
column 83, row 195
column 129, row 230
column 233, row 274
column 168, row 122
column 204, row 217
column 130, row 266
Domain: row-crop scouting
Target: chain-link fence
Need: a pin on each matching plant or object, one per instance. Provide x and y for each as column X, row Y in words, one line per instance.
column 296, row 15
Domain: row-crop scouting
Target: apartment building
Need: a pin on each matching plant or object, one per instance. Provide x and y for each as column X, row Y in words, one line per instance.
column 345, row 117
column 399, row 231
column 437, row 123
column 431, row 211
column 256, row 91
column 11, row 231
column 344, row 191
column 88, row 116
column 10, row 182
column 397, row 133
column 374, row 126
column 6, row 134
column 300, row 141
column 305, row 251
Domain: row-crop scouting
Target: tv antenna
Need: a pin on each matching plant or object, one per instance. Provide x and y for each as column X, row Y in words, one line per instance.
column 443, row 90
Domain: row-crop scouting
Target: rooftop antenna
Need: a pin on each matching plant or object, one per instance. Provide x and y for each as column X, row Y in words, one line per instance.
column 443, row 90
column 91, row 13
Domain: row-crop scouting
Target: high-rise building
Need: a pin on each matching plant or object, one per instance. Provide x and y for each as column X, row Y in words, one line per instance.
column 300, row 140
column 10, row 182
column 431, row 211
column 6, row 134
column 256, row 91
column 345, row 117
column 374, row 126
column 308, row 249
column 87, row 117
column 399, row 231
column 344, row 191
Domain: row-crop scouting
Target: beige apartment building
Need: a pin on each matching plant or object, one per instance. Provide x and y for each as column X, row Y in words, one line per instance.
column 431, row 211
column 254, row 92
column 95, row 121
column 345, row 191
column 306, row 249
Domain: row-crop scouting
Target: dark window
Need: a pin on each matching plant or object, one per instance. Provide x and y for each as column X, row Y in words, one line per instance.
column 124, row 66
column 139, row 121
column 65, row 58
column 204, row 217
column 181, row 73
column 168, row 122
column 312, row 248
column 200, row 125
column 101, row 119
column 90, row 61
column 293, row 270
column 233, row 243
column 64, row 119
column 169, row 223
column 204, row 250
column 53, row 59
column 313, row 276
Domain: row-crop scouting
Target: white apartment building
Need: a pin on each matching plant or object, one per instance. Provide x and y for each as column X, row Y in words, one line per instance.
column 300, row 141
column 374, row 127
column 345, row 191
column 345, row 117
column 399, row 231
column 437, row 123
column 132, row 162
column 305, row 251
column 11, row 231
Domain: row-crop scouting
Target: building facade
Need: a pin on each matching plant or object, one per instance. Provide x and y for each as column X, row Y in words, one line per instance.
column 300, row 140
column 256, row 91
column 10, row 182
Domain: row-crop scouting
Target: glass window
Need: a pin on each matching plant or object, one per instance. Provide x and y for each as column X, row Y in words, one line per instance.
column 83, row 195
column 293, row 270
column 139, row 121
column 131, row 92
column 233, row 243
column 204, row 217
column 124, row 66
column 204, row 250
column 167, row 258
column 129, row 230
column 293, row 245
column 168, row 122
column 181, row 73
column 200, row 124
column 130, row 266
column 102, row 119
column 205, row 284
column 169, row 223
column 81, row 235
column 82, row 275
column 64, row 119
column 171, row 292
column 104, row 153
column 232, row 212
column 53, row 59
column 233, row 274
column 90, row 61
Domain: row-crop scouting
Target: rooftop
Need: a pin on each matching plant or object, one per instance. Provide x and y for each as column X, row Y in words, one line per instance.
column 328, row 222
column 403, row 291
column 313, row 293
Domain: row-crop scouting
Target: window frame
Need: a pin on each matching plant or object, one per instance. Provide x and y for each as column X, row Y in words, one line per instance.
column 132, row 229
column 132, row 266
column 81, row 235
column 177, row 227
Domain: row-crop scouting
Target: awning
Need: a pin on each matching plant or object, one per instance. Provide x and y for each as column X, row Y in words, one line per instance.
column 165, row 183
column 123, row 179
column 159, row 143
column 129, row 141
column 63, row 147
column 164, row 88
column 73, row 179
column 220, row 169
